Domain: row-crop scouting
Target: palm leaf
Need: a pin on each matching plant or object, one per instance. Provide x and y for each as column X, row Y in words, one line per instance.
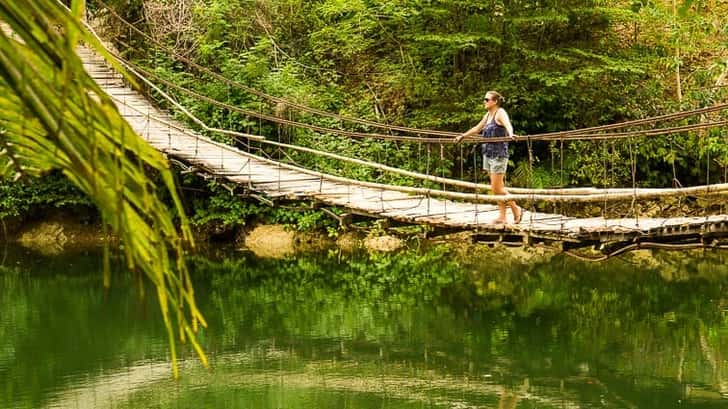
column 54, row 116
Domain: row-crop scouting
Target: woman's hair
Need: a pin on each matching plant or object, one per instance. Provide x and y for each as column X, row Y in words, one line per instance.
column 499, row 100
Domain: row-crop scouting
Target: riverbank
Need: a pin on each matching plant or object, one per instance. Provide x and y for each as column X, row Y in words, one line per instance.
column 63, row 231
column 67, row 231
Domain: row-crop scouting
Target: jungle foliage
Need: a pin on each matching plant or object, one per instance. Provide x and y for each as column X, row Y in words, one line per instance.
column 561, row 65
column 41, row 196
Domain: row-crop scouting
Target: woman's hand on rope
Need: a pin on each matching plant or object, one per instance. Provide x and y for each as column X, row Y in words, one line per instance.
column 459, row 138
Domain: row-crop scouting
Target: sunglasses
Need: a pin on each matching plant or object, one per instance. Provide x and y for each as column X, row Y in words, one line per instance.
column 488, row 99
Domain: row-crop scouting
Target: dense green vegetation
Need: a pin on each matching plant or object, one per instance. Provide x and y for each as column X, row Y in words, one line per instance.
column 561, row 65
column 53, row 191
column 212, row 205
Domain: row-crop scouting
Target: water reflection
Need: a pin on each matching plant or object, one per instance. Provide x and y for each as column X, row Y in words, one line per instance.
column 414, row 329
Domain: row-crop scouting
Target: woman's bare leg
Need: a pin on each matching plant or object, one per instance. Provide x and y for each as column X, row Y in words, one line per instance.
column 498, row 186
column 497, row 183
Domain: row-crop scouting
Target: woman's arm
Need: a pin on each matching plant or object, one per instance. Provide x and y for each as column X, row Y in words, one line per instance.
column 472, row 131
column 502, row 119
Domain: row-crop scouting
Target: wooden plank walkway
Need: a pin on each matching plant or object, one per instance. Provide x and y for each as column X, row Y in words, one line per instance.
column 275, row 180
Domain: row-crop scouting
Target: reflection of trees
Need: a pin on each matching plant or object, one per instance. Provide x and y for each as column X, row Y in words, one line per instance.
column 554, row 318
column 59, row 324
column 618, row 331
column 645, row 316
column 15, row 313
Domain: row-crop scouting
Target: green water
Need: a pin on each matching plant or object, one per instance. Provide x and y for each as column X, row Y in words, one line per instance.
column 418, row 329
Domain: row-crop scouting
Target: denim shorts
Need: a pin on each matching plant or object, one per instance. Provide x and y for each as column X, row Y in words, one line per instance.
column 495, row 165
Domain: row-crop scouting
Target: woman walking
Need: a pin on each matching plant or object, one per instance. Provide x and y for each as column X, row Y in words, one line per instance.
column 495, row 123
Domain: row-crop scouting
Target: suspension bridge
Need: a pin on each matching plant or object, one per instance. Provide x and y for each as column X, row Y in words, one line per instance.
column 466, row 206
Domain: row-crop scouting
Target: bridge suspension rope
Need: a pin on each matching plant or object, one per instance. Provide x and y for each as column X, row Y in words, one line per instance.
column 557, row 195
column 541, row 137
column 584, row 133
column 554, row 195
column 226, row 162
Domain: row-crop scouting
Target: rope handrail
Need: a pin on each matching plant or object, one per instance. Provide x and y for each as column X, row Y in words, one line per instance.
column 527, row 194
column 574, row 134
column 635, row 122
column 279, row 120
column 545, row 137
column 472, row 197
column 631, row 134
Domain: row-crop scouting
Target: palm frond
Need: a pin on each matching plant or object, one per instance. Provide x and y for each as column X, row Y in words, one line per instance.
column 54, row 116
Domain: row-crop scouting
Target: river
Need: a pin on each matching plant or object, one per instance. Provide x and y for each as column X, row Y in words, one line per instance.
column 422, row 328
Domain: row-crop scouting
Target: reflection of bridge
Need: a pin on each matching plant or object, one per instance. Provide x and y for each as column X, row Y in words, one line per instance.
column 122, row 387
column 271, row 180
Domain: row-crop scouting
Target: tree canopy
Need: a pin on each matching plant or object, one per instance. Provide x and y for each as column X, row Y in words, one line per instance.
column 561, row 65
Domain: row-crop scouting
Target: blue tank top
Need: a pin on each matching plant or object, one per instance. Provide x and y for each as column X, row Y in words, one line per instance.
column 494, row 149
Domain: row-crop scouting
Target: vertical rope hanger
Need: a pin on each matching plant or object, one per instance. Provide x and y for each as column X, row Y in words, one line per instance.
column 442, row 168
column 427, row 172
column 228, row 98
column 475, row 179
column 706, row 205
column 675, row 181
column 231, row 124
column 707, row 166
column 613, row 172
column 260, row 125
column 419, row 156
column 605, row 154
column 725, row 180
column 148, row 124
column 561, row 182
column 462, row 160
column 531, row 181
column 633, row 166
column 381, row 191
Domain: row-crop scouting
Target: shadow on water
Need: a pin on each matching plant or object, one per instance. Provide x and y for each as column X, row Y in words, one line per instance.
column 442, row 327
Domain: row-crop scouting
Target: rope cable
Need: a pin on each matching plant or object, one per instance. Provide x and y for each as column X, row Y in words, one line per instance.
column 561, row 175
column 532, row 204
column 475, row 177
column 606, row 176
column 429, row 149
column 516, row 190
column 633, row 166
column 261, row 140
column 442, row 167
column 551, row 136
column 704, row 190
column 707, row 178
column 580, row 132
